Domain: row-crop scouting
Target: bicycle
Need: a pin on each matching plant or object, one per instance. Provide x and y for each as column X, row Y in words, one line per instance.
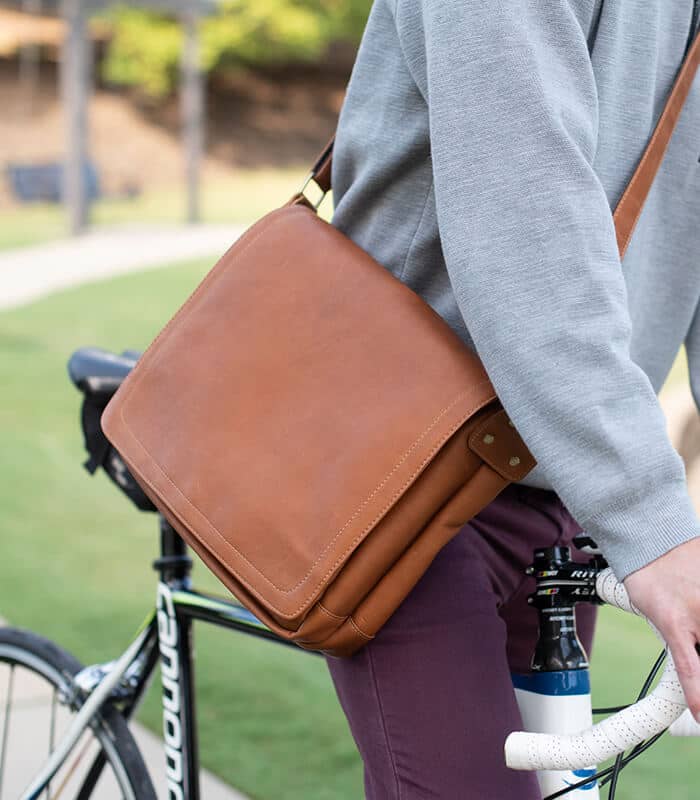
column 97, row 754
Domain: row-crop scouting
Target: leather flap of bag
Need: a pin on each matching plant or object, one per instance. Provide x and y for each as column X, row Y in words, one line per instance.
column 290, row 402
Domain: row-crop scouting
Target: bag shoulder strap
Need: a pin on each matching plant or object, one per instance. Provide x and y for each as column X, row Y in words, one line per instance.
column 632, row 202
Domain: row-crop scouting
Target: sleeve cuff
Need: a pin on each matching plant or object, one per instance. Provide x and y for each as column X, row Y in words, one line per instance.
column 645, row 529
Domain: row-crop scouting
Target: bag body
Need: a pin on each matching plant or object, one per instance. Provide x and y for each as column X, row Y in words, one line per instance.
column 313, row 430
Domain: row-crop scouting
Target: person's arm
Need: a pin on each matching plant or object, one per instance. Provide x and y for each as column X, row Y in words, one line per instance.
column 529, row 243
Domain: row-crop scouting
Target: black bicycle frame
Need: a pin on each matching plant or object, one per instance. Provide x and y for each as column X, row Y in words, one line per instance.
column 170, row 641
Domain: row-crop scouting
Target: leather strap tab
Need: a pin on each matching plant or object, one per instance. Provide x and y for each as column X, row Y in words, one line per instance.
column 498, row 443
column 632, row 201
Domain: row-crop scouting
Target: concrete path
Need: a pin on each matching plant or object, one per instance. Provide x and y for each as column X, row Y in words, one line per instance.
column 32, row 272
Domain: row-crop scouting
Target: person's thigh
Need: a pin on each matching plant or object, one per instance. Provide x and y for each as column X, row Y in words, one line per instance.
column 430, row 701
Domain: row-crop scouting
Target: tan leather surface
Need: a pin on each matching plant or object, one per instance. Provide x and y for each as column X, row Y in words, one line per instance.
column 497, row 442
column 451, row 468
column 278, row 453
column 377, row 607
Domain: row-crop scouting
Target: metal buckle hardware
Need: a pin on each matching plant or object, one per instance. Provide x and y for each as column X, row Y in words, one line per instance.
column 309, row 180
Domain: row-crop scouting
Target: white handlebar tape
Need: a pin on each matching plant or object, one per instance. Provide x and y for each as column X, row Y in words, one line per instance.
column 621, row 731
column 618, row 732
column 613, row 592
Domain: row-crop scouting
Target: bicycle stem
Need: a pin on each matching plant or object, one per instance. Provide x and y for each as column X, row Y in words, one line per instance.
column 619, row 732
column 560, row 584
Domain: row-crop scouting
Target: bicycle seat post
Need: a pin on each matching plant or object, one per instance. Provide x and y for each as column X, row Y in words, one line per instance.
column 174, row 564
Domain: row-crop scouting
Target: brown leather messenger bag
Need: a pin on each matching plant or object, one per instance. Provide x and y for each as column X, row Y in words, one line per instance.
column 314, row 430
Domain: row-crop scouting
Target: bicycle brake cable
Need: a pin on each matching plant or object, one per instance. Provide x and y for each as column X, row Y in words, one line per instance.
column 620, row 761
column 610, row 775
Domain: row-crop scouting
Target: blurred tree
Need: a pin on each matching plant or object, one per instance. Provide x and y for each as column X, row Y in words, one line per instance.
column 145, row 46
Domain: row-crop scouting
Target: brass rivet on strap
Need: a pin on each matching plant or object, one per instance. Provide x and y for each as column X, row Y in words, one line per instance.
column 488, row 439
column 514, row 461
column 511, row 423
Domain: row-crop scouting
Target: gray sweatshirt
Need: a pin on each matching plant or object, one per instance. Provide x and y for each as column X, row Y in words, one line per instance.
column 481, row 147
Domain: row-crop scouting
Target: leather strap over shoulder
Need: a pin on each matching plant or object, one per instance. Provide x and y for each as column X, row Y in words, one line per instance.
column 632, row 202
column 321, row 170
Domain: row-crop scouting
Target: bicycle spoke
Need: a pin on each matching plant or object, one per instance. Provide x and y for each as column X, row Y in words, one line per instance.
column 6, row 724
column 52, row 734
column 72, row 768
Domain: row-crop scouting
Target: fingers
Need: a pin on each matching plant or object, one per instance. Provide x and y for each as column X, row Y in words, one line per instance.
column 684, row 649
column 667, row 592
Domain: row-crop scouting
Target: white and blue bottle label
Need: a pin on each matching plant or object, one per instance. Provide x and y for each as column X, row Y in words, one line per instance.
column 559, row 703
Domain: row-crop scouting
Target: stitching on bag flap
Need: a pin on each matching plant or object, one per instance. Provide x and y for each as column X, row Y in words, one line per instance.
column 357, row 511
column 364, row 635
column 352, row 544
column 330, row 614
column 145, row 363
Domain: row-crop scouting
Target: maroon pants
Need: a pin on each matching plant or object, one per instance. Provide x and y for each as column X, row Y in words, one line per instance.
column 430, row 700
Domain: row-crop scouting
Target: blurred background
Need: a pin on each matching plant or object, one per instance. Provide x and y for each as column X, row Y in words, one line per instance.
column 169, row 110
column 136, row 142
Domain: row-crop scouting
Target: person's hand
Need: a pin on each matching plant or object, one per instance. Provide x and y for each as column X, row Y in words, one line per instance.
column 667, row 591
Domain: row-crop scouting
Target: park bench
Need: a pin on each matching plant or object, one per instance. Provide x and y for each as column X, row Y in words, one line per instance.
column 43, row 182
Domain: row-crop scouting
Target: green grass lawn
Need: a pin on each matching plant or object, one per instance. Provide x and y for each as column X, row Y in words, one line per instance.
column 242, row 200
column 76, row 567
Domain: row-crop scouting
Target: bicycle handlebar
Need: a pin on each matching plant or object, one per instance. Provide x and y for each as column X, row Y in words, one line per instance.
column 619, row 732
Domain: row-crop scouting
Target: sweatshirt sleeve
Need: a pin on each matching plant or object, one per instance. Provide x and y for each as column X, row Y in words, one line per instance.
column 692, row 353
column 530, row 248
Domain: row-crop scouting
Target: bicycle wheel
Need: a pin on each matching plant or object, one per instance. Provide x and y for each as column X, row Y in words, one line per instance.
column 35, row 684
